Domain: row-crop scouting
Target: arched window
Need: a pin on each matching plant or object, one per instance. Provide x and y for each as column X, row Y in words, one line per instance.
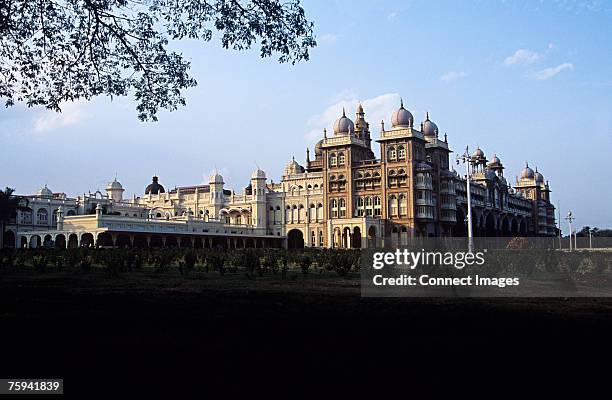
column 294, row 214
column 341, row 159
column 342, row 207
column 369, row 210
column 392, row 205
column 319, row 212
column 403, row 205
column 401, row 152
column 42, row 217
column 288, row 215
column 334, row 208
column 333, row 160
column 377, row 208
column 392, row 153
column 360, row 207
column 313, row 213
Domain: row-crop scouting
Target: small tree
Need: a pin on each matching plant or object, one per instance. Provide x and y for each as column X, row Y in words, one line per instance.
column 187, row 264
column 305, row 263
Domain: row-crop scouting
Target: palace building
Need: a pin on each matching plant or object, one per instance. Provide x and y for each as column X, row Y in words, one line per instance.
column 342, row 197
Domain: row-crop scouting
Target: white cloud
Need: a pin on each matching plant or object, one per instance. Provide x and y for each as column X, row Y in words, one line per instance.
column 547, row 73
column 72, row 113
column 376, row 109
column 391, row 15
column 453, row 76
column 523, row 56
column 328, row 38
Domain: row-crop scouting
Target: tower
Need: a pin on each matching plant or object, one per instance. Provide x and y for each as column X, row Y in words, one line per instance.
column 258, row 200
column 216, row 193
column 114, row 190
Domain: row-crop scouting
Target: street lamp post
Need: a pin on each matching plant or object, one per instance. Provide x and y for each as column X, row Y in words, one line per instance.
column 467, row 159
column 590, row 238
column 570, row 217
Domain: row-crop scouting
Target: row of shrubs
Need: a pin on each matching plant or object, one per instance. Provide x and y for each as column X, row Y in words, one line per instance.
column 275, row 261
column 252, row 261
column 530, row 261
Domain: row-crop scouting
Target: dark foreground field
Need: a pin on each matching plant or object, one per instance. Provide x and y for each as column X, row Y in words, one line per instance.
column 145, row 328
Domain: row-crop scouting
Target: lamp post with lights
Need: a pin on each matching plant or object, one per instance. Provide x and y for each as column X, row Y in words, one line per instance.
column 570, row 217
column 467, row 159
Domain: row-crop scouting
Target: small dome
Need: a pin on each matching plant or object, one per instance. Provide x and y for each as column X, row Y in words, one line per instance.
column 154, row 187
column 489, row 173
column 539, row 178
column 44, row 192
column 294, row 168
column 495, row 161
column 258, row 174
column 527, row 173
column 429, row 128
column 216, row 178
column 114, row 185
column 422, row 166
column 318, row 148
column 402, row 117
column 343, row 125
column 478, row 153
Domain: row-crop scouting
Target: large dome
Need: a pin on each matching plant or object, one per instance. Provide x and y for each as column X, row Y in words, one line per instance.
column 429, row 128
column 343, row 125
column 527, row 173
column 154, row 187
column 402, row 117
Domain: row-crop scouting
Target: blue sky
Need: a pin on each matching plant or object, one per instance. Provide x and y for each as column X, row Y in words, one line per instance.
column 527, row 80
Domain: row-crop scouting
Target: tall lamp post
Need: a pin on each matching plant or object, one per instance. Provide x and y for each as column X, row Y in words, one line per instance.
column 467, row 159
column 570, row 217
column 590, row 238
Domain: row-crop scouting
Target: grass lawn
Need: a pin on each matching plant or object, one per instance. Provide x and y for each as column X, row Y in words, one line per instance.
column 142, row 323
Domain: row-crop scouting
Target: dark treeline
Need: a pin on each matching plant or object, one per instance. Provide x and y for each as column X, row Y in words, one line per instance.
column 596, row 232
column 117, row 261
